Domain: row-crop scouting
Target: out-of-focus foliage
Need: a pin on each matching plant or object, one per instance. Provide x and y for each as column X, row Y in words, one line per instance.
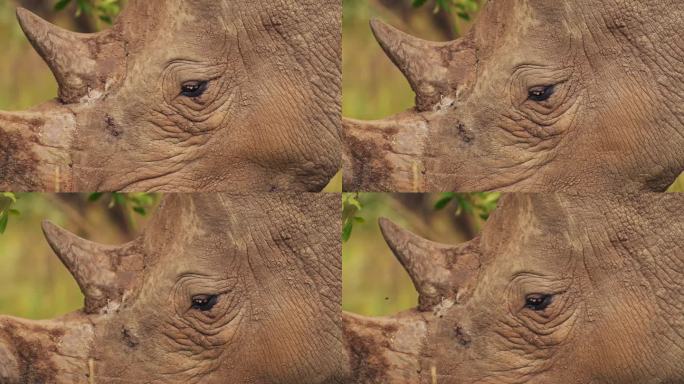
column 24, row 79
column 351, row 206
column 374, row 283
column 139, row 203
column 480, row 204
column 105, row 10
column 7, row 200
column 33, row 282
column 463, row 8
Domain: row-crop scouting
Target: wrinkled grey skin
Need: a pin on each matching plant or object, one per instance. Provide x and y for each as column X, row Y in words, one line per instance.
column 267, row 121
column 613, row 265
column 272, row 260
column 614, row 122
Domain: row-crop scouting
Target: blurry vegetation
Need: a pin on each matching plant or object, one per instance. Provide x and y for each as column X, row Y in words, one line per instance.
column 374, row 283
column 464, row 9
column 33, row 282
column 104, row 10
column 7, row 200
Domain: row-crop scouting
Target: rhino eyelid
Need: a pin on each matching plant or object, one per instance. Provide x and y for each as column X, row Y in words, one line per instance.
column 204, row 303
column 538, row 301
column 194, row 88
column 541, row 93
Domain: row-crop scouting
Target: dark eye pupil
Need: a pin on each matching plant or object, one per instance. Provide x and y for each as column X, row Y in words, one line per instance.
column 193, row 89
column 537, row 302
column 541, row 93
column 204, row 302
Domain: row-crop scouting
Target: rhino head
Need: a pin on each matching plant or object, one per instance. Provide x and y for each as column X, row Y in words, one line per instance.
column 582, row 95
column 556, row 289
column 218, row 289
column 184, row 96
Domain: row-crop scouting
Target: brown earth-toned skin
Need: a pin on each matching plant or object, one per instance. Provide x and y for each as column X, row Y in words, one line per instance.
column 612, row 121
column 613, row 265
column 273, row 261
column 268, row 119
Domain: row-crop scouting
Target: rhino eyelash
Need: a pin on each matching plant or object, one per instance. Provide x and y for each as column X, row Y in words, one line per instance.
column 194, row 89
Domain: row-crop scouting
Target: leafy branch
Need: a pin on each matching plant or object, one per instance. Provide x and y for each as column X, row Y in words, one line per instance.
column 7, row 200
column 464, row 9
column 480, row 204
column 105, row 10
column 139, row 203
column 350, row 209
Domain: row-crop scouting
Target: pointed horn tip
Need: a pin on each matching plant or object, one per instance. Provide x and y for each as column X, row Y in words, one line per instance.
column 27, row 18
column 387, row 226
column 380, row 27
column 52, row 232
column 49, row 227
column 383, row 32
column 393, row 235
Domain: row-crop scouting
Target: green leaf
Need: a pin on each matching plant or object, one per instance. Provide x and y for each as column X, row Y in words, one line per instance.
column 10, row 195
column 359, row 220
column 4, row 219
column 61, row 4
column 95, row 197
column 347, row 231
column 419, row 3
column 119, row 198
column 84, row 6
column 444, row 200
column 140, row 210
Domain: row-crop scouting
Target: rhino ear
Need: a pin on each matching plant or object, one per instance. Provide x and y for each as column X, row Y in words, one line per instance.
column 439, row 272
column 421, row 61
column 104, row 273
column 72, row 57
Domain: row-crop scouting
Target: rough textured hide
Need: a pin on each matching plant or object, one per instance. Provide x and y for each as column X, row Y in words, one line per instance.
column 272, row 261
column 607, row 116
column 266, row 116
column 611, row 265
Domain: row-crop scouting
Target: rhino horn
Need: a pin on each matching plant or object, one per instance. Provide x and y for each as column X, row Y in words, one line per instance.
column 439, row 272
column 75, row 59
column 422, row 62
column 385, row 155
column 104, row 273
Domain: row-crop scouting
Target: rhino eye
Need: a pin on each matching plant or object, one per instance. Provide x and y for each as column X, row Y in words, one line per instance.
column 538, row 302
column 541, row 93
column 193, row 88
column 204, row 302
